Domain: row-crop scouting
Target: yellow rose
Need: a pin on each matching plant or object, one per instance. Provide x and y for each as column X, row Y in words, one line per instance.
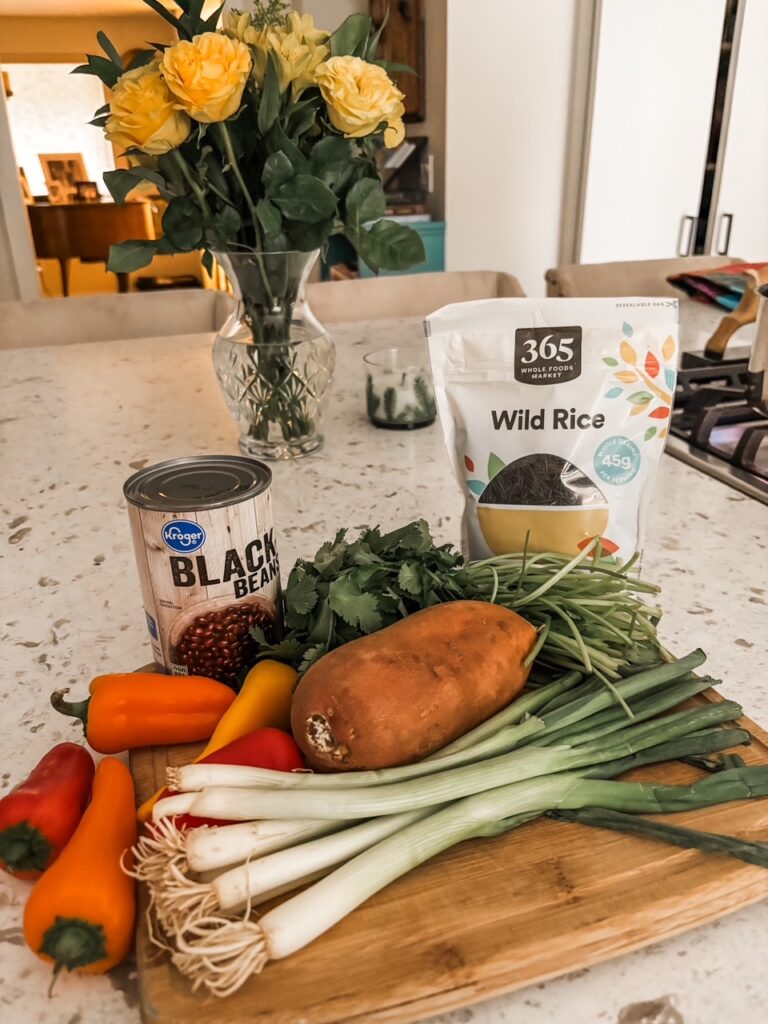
column 360, row 96
column 298, row 46
column 143, row 114
column 207, row 75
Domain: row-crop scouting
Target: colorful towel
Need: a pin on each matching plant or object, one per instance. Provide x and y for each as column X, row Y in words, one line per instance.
column 722, row 286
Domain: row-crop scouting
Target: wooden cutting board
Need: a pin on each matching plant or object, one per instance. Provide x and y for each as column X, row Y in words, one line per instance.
column 487, row 917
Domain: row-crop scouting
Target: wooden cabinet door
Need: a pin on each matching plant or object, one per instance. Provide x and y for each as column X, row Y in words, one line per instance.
column 403, row 43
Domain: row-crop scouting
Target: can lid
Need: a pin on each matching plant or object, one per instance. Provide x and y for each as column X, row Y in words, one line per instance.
column 197, row 483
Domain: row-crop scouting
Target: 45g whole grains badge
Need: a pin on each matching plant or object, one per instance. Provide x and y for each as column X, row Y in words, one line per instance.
column 554, row 413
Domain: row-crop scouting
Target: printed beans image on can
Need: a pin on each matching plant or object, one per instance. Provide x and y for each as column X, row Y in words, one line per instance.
column 205, row 548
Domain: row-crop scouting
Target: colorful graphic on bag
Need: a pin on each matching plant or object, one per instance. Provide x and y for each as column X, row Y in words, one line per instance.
column 538, row 406
column 650, row 398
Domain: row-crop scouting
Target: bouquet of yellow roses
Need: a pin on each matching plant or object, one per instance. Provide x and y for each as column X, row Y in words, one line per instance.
column 260, row 134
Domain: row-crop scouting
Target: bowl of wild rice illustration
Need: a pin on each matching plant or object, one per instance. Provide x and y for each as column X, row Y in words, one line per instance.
column 543, row 503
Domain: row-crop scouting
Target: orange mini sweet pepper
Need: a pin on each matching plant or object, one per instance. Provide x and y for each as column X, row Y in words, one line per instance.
column 144, row 709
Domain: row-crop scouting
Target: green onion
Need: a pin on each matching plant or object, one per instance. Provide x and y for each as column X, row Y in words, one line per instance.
column 400, row 797
column 222, row 954
column 676, row 835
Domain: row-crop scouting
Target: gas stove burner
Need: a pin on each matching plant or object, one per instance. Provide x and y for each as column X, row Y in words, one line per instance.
column 714, row 427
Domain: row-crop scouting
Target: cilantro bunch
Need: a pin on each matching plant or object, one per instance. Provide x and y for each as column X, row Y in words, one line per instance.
column 351, row 588
column 588, row 609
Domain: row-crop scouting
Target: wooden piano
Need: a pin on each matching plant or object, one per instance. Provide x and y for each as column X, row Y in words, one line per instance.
column 85, row 231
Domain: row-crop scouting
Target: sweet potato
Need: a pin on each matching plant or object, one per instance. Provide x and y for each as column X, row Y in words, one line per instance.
column 398, row 695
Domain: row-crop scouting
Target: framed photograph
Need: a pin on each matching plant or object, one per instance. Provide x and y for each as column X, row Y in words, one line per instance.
column 63, row 170
column 86, row 192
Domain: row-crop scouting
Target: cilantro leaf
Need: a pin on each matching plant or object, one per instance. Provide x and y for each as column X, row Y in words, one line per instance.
column 301, row 595
column 311, row 655
column 288, row 649
column 353, row 606
column 409, row 578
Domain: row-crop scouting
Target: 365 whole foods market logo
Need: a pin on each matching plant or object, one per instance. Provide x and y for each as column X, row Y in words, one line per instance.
column 647, row 383
column 547, row 355
column 183, row 536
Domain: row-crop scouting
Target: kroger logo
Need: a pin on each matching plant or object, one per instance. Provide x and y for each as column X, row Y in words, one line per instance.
column 181, row 535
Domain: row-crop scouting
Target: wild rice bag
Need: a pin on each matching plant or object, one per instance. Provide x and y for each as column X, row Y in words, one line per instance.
column 554, row 413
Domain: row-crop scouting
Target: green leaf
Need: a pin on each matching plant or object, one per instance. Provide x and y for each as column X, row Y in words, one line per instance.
column 278, row 169
column 102, row 68
column 183, row 224
column 373, row 42
column 109, row 49
column 390, row 246
column 650, row 432
column 354, row 607
column 409, row 578
column 392, row 67
column 120, row 182
column 278, row 141
column 228, row 222
column 351, row 37
column 302, row 118
column 311, row 655
column 306, row 237
column 126, row 257
column 269, row 106
column 609, row 361
column 213, row 19
column 158, row 8
column 365, row 202
column 289, row 649
column 305, row 198
column 141, row 58
column 331, row 158
column 329, row 559
column 495, row 465
column 301, row 596
column 192, row 19
column 640, row 397
column 269, row 217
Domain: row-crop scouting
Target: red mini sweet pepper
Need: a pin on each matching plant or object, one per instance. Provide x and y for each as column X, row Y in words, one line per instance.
column 262, row 748
column 39, row 816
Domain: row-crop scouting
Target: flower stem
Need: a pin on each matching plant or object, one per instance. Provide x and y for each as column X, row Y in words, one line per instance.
column 197, row 191
column 230, row 152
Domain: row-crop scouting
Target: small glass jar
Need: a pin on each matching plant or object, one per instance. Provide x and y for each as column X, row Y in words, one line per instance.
column 399, row 394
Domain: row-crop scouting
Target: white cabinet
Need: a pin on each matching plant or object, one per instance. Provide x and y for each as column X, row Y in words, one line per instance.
column 655, row 76
column 742, row 209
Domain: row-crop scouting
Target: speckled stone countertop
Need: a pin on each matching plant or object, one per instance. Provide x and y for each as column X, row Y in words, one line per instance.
column 76, row 420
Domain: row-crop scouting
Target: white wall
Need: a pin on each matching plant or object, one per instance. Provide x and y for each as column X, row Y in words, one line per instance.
column 508, row 87
column 59, row 122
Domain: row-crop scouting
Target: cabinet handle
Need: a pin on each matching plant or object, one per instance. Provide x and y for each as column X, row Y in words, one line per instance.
column 685, row 250
column 727, row 219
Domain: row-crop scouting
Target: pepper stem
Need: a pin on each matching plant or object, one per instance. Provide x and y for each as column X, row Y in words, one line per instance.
column 72, row 942
column 75, row 708
column 23, row 847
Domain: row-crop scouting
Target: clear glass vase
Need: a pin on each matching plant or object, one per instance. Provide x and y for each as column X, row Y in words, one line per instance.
column 273, row 359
